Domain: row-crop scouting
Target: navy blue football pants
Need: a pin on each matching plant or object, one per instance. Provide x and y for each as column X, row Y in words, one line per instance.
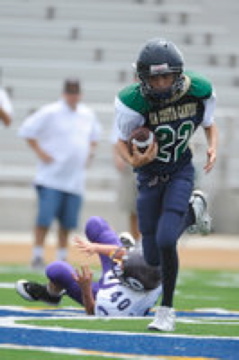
column 164, row 213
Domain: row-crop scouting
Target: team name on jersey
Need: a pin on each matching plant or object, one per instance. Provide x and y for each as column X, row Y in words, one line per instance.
column 173, row 113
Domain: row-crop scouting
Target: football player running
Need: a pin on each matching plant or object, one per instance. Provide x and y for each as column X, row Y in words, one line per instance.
column 173, row 104
column 127, row 287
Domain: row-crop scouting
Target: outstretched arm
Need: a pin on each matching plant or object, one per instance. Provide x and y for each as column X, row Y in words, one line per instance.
column 90, row 248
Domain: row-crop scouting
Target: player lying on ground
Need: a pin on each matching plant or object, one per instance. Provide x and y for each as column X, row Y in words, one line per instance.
column 127, row 287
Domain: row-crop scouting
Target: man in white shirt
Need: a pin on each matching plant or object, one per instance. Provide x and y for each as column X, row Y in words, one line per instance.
column 63, row 135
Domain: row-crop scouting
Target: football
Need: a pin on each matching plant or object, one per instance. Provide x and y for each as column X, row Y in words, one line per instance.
column 142, row 137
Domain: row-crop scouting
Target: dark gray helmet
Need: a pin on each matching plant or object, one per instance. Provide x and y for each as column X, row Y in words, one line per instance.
column 135, row 273
column 159, row 57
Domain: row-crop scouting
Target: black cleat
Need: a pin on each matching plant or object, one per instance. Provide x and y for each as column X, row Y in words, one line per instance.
column 32, row 291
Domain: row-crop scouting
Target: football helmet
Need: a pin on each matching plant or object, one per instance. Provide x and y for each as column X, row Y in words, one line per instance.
column 160, row 57
column 134, row 272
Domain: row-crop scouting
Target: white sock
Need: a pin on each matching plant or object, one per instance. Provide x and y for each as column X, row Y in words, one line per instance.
column 62, row 254
column 38, row 252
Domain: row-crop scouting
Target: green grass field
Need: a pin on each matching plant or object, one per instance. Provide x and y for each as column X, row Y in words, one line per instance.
column 197, row 290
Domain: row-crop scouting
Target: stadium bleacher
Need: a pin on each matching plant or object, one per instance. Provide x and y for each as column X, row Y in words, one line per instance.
column 43, row 42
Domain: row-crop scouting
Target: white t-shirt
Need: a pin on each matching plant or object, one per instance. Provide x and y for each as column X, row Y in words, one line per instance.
column 5, row 102
column 116, row 300
column 66, row 135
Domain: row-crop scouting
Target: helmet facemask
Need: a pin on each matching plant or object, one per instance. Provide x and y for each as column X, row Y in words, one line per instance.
column 158, row 96
column 133, row 272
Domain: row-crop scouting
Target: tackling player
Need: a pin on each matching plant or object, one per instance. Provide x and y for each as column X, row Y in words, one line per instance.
column 127, row 287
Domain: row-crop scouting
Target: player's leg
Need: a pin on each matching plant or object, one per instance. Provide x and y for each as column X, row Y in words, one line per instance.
column 174, row 210
column 61, row 273
column 98, row 230
column 61, row 281
column 33, row 291
column 48, row 203
column 68, row 216
column 149, row 208
column 198, row 218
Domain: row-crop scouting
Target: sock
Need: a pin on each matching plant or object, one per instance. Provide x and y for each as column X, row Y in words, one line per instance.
column 38, row 252
column 170, row 272
column 62, row 254
column 52, row 292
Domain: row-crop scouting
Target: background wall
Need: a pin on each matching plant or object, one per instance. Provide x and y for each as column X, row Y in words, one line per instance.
column 43, row 42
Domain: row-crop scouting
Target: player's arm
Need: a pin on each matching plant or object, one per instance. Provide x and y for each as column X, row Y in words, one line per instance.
column 211, row 132
column 84, row 280
column 91, row 248
column 127, row 120
column 212, row 140
column 33, row 143
column 137, row 159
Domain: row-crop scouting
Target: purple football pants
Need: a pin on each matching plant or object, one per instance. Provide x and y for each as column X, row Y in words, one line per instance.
column 60, row 272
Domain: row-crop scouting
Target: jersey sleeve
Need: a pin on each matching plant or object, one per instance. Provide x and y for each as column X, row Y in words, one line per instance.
column 126, row 119
column 200, row 87
column 114, row 135
column 210, row 104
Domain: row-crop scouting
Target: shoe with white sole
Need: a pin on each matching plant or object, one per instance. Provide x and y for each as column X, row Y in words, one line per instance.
column 164, row 319
column 203, row 221
column 127, row 240
column 32, row 291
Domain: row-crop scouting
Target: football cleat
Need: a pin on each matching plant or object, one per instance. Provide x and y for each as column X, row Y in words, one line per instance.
column 164, row 319
column 203, row 221
column 127, row 240
column 32, row 291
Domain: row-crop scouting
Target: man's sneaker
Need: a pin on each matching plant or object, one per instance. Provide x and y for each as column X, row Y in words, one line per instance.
column 127, row 240
column 32, row 291
column 164, row 319
column 203, row 220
